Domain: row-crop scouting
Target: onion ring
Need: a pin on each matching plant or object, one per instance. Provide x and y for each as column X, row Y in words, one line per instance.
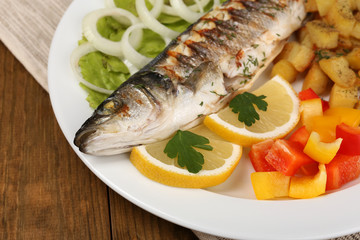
column 189, row 14
column 76, row 54
column 151, row 22
column 109, row 3
column 130, row 53
column 103, row 44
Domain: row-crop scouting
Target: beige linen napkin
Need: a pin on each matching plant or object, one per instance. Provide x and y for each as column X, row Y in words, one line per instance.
column 27, row 28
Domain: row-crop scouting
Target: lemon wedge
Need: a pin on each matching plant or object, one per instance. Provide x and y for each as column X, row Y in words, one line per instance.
column 281, row 116
column 218, row 165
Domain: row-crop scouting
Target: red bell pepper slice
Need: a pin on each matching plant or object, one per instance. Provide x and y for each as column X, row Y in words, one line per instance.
column 257, row 155
column 310, row 94
column 287, row 156
column 301, row 135
column 310, row 169
column 351, row 139
column 342, row 169
column 307, row 94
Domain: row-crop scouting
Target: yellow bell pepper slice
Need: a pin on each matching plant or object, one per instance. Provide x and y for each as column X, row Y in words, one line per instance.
column 309, row 109
column 320, row 151
column 325, row 126
column 309, row 186
column 348, row 116
column 268, row 185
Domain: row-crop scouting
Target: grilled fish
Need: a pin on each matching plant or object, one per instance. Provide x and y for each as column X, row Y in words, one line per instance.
column 197, row 74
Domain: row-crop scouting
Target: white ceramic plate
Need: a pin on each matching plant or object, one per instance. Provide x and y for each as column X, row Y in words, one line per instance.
column 229, row 210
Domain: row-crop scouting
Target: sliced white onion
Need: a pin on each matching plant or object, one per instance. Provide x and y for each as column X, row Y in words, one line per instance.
column 78, row 52
column 148, row 19
column 109, row 3
column 157, row 8
column 198, row 6
column 103, row 44
column 130, row 53
column 185, row 12
column 130, row 66
column 216, row 3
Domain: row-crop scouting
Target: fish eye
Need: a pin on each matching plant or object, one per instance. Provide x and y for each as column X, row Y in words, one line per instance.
column 108, row 107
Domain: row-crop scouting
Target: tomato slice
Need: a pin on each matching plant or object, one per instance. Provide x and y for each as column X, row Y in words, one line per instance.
column 351, row 139
column 287, row 156
column 342, row 169
column 257, row 155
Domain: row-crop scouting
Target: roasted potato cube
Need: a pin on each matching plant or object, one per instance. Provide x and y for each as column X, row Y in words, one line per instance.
column 357, row 15
column 284, row 69
column 344, row 43
column 285, row 51
column 356, row 30
column 343, row 97
column 301, row 57
column 354, row 58
column 302, row 33
column 337, row 69
column 310, row 6
column 324, row 6
column 316, row 79
column 357, row 3
column 355, row 42
column 304, row 38
column 308, row 42
column 322, row 35
column 340, row 15
column 298, row 55
column 353, row 5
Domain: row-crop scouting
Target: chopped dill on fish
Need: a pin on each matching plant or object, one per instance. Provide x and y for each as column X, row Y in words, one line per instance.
column 220, row 55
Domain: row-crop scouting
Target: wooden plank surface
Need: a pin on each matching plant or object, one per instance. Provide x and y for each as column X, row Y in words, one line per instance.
column 46, row 192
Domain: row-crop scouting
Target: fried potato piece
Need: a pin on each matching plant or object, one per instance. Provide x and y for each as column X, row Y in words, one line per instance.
column 324, row 6
column 340, row 15
column 316, row 79
column 322, row 34
column 310, row 6
column 343, row 97
column 300, row 57
column 284, row 69
column 337, row 69
column 354, row 58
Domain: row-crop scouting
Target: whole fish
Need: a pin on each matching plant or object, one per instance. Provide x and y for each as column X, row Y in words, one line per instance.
column 197, row 74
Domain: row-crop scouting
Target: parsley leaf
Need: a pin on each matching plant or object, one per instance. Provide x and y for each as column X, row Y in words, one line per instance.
column 244, row 105
column 182, row 146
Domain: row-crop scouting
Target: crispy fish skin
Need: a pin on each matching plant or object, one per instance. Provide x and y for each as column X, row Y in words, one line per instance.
column 197, row 74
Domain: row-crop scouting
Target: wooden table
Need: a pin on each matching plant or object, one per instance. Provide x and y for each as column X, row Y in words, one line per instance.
column 46, row 192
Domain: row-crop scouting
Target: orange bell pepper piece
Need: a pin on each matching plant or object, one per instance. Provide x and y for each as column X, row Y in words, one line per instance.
column 268, row 185
column 320, row 151
column 309, row 109
column 309, row 186
column 325, row 126
column 348, row 116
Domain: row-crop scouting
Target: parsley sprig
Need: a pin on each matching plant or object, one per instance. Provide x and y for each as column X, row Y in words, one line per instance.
column 182, row 146
column 244, row 105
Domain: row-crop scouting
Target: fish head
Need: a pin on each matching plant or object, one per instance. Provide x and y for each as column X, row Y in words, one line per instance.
column 125, row 116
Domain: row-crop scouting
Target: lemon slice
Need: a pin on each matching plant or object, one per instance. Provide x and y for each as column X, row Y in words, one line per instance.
column 219, row 163
column 281, row 116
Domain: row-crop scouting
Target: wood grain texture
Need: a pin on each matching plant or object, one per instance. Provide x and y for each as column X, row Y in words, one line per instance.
column 46, row 192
